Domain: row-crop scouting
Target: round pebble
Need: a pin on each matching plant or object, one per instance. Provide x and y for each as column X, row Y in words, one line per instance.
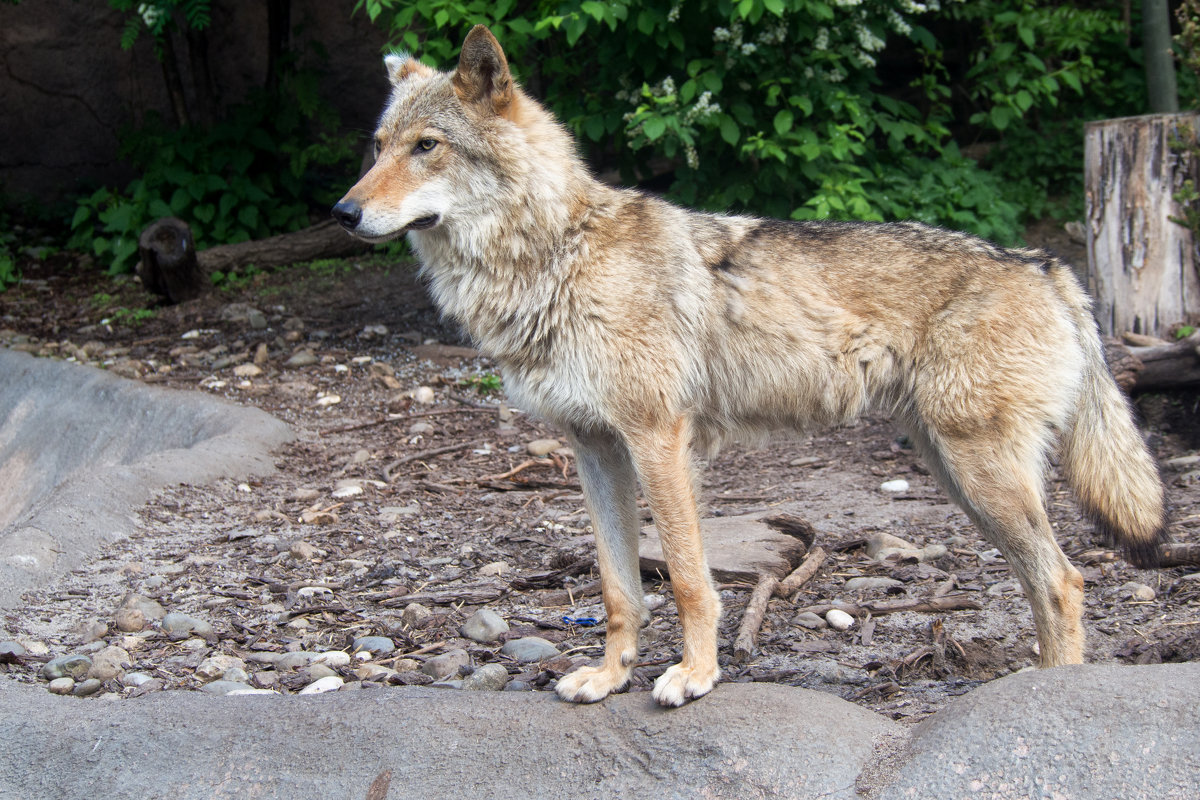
column 488, row 678
column 375, row 645
column 62, row 685
column 329, row 684
column 216, row 666
column 839, row 620
column 182, row 623
column 90, row 686
column 528, row 649
column 331, row 658
column 414, row 614
column 423, row 395
column 135, row 678
column 11, row 650
column 223, row 687
column 446, row 665
column 872, row 584
column 898, row 485
column 72, row 666
column 130, row 620
column 109, row 663
column 484, row 625
column 810, row 620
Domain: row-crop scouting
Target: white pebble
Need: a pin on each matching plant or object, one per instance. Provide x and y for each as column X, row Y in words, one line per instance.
column 898, row 485
column 332, row 658
column 330, row 683
column 839, row 620
column 423, row 395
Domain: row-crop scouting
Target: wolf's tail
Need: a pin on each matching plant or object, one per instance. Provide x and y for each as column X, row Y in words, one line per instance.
column 1106, row 463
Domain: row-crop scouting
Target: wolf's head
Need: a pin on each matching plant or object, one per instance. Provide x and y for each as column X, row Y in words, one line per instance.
column 446, row 146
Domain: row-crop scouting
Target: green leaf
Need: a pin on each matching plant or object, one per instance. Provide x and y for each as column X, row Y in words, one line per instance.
column 783, row 121
column 654, row 128
column 205, row 212
column 729, row 129
column 248, row 216
column 82, row 215
column 1026, row 35
column 594, row 128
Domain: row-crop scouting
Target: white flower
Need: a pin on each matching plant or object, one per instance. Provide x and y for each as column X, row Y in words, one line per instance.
column 748, row 48
column 673, row 14
column 822, row 40
column 720, row 34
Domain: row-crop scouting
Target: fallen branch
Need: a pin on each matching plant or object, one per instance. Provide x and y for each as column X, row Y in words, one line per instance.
column 793, row 525
column 752, row 619
column 469, row 596
column 803, row 573
column 1180, row 554
column 953, row 602
column 1158, row 367
column 437, row 451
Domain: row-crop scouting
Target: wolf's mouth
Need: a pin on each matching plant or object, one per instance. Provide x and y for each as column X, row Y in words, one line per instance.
column 423, row 223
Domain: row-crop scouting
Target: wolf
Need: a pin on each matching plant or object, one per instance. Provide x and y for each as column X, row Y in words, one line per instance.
column 651, row 334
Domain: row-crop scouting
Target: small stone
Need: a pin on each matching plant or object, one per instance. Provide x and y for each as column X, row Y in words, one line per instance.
column 654, row 601
column 223, row 687
column 898, row 485
column 151, row 609
column 94, row 631
column 109, row 663
column 542, row 447
column 72, row 666
column 488, row 678
column 216, row 666
column 303, row 551
column 414, row 614
column 301, row 358
column 331, row 658
column 182, row 623
column 497, row 568
column 314, row 672
column 872, row 584
column 329, row 684
column 839, row 620
column 247, row 370
column 932, row 552
column 445, row 665
column 262, row 354
column 528, row 649
column 423, row 395
column 484, row 626
column 879, row 541
column 326, row 400
column 135, row 679
column 236, row 675
column 130, row 620
column 375, row 645
column 420, row 429
column 62, row 685
column 373, row 672
column 1138, row 591
column 808, row 619
column 90, row 686
column 347, row 489
column 406, row 665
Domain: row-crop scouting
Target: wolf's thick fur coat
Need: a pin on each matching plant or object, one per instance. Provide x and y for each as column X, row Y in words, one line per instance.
column 647, row 331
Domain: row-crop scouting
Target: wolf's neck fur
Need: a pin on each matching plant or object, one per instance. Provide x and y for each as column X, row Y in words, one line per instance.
column 500, row 270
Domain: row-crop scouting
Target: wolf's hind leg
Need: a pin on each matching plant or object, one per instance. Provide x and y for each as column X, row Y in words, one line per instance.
column 999, row 484
column 609, row 484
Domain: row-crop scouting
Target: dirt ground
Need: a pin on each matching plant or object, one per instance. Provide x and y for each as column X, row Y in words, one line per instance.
column 386, row 499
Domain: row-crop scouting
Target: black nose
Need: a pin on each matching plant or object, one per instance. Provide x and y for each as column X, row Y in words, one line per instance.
column 348, row 213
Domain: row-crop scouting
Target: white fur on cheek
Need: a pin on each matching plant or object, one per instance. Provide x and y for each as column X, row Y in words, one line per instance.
column 383, row 222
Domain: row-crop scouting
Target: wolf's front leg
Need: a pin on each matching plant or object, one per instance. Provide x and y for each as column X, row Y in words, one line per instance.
column 609, row 484
column 663, row 460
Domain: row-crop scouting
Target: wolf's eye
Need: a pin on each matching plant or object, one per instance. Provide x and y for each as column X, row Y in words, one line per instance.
column 378, row 147
column 426, row 144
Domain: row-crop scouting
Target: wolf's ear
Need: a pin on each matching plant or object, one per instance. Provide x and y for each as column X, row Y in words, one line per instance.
column 482, row 75
column 401, row 65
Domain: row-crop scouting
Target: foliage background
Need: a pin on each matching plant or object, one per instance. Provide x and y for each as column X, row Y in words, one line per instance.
column 962, row 114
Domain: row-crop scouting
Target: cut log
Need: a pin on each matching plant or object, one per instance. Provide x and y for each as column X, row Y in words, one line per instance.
column 171, row 266
column 1142, row 264
column 1167, row 366
column 168, row 265
column 738, row 549
column 324, row 240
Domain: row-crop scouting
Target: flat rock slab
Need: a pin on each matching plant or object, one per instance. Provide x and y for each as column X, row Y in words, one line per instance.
column 81, row 450
column 738, row 549
column 745, row 741
column 1075, row 733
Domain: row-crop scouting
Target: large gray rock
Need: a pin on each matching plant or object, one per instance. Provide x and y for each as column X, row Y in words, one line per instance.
column 1075, row 733
column 81, row 450
column 744, row 741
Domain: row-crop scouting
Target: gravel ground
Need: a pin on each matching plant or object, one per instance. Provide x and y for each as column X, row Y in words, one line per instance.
column 413, row 497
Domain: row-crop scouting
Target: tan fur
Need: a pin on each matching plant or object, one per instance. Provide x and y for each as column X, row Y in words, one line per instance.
column 648, row 332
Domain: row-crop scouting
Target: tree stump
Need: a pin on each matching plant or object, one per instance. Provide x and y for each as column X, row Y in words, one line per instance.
column 1142, row 265
column 168, row 265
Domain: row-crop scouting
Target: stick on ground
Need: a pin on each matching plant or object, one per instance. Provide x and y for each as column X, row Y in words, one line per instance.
column 803, row 573
column 753, row 618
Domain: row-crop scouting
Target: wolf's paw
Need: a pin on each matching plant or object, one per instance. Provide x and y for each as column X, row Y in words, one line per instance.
column 679, row 684
column 589, row 684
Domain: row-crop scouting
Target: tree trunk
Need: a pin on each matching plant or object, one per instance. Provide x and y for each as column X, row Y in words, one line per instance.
column 1160, row 62
column 1142, row 265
